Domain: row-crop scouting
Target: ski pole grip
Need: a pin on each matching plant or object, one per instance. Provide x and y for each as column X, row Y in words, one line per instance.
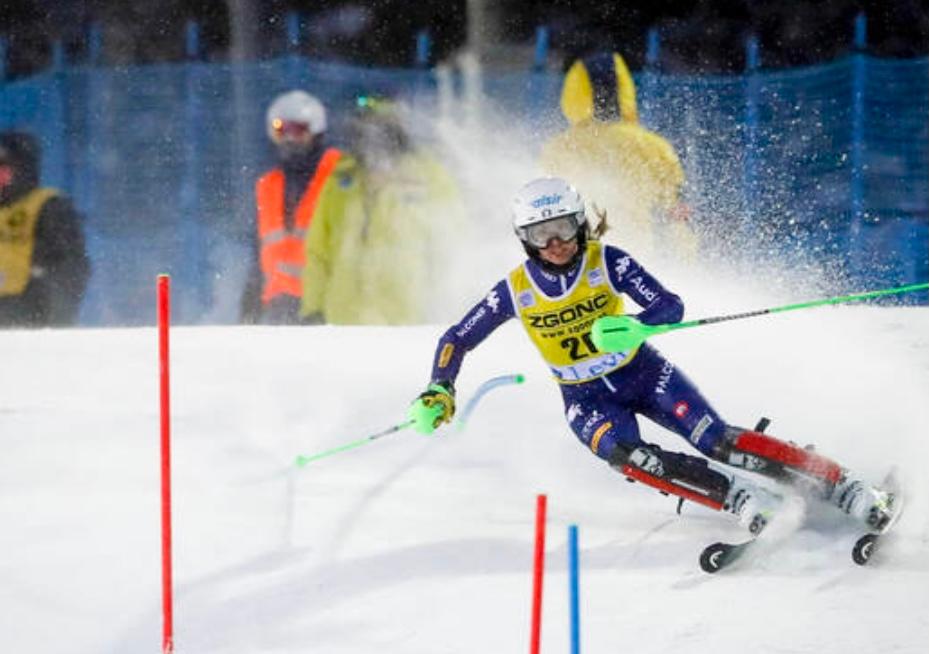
column 424, row 416
column 620, row 333
column 435, row 412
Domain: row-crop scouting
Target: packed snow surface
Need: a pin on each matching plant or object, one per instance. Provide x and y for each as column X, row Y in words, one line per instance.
column 423, row 545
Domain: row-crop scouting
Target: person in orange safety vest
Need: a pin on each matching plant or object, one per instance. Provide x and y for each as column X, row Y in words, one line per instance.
column 286, row 198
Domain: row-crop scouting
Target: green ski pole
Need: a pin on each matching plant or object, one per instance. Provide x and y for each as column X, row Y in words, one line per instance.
column 480, row 392
column 303, row 459
column 621, row 333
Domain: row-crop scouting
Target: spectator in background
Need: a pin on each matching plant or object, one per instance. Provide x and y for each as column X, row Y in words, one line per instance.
column 373, row 252
column 43, row 258
column 607, row 154
column 286, row 199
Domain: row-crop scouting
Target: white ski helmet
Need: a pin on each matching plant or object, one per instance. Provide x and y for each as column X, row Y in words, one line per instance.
column 295, row 107
column 544, row 199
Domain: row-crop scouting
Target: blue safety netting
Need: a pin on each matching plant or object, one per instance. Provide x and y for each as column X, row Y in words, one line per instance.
column 828, row 162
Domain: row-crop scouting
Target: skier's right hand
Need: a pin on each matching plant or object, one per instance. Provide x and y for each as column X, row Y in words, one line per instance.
column 433, row 407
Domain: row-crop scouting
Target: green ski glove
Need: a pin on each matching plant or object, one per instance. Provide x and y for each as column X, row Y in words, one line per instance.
column 432, row 408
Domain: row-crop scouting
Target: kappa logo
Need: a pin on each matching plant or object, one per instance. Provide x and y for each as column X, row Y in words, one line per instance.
column 622, row 267
column 591, row 421
column 493, row 301
column 552, row 277
column 574, row 411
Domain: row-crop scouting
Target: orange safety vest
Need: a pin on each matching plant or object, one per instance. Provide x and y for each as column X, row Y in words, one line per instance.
column 282, row 252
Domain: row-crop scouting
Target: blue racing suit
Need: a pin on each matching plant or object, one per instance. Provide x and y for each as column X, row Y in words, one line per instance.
column 603, row 392
column 601, row 410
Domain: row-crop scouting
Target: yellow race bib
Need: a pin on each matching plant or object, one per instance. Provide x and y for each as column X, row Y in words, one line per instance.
column 560, row 326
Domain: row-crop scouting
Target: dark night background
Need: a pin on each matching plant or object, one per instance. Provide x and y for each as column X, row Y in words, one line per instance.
column 703, row 36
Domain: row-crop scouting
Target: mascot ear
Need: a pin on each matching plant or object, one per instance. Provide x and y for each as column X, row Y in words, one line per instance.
column 577, row 94
column 628, row 109
column 599, row 86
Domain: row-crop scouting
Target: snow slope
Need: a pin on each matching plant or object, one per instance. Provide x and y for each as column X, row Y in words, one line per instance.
column 423, row 545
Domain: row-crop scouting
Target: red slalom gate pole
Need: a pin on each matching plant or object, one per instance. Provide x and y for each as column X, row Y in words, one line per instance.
column 538, row 570
column 167, row 599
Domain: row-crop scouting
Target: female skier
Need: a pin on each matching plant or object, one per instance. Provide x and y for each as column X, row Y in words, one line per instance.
column 569, row 281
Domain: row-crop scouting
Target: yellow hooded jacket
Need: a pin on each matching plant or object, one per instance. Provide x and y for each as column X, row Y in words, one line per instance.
column 371, row 251
column 618, row 165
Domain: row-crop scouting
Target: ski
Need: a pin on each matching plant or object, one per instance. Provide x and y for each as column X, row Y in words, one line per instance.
column 868, row 544
column 721, row 555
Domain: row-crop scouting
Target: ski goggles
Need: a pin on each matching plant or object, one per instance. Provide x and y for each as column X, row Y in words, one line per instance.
column 564, row 228
column 290, row 130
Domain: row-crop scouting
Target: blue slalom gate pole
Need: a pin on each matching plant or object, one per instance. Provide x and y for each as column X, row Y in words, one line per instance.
column 574, row 584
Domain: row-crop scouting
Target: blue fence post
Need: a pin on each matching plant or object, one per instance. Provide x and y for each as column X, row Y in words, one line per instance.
column 89, row 183
column 4, row 47
column 574, row 593
column 423, row 48
column 857, row 173
column 540, row 55
column 92, row 113
column 54, row 161
column 94, row 309
column 192, row 41
column 536, row 100
column 3, row 51
column 292, row 24
column 423, row 74
column 195, row 280
column 58, row 56
column 751, row 151
column 647, row 89
column 293, row 31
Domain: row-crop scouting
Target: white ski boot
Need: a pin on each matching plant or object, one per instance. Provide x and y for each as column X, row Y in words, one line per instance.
column 863, row 502
column 754, row 505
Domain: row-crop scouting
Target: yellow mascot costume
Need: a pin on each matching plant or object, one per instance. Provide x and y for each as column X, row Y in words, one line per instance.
column 626, row 170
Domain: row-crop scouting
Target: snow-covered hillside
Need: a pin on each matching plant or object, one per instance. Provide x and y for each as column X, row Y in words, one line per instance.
column 423, row 545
